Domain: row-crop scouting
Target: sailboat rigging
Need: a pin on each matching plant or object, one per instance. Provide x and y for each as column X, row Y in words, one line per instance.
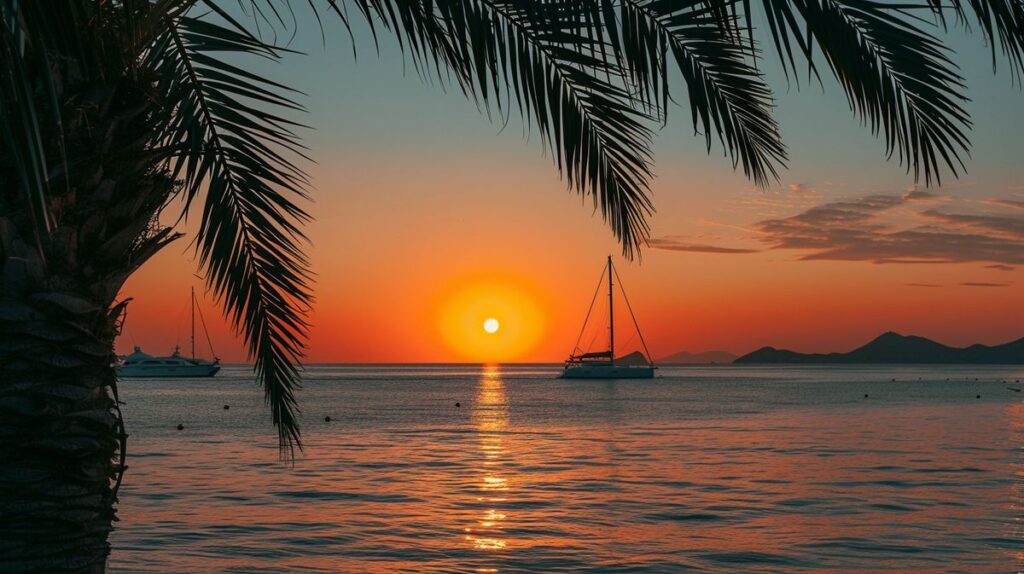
column 602, row 364
column 140, row 364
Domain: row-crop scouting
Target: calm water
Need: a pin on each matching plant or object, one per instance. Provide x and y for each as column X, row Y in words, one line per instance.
column 704, row 469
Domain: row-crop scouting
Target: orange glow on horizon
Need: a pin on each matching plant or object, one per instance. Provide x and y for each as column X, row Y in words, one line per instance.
column 490, row 319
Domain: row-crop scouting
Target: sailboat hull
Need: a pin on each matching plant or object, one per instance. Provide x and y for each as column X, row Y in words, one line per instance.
column 608, row 372
column 167, row 371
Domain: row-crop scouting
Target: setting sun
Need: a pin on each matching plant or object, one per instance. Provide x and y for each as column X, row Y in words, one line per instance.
column 491, row 325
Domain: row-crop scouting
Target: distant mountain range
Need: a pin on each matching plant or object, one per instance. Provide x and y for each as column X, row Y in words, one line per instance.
column 895, row 348
column 706, row 358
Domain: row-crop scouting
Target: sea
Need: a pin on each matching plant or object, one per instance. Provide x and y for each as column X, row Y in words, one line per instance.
column 505, row 468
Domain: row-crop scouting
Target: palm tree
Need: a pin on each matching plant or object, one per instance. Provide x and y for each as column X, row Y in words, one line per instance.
column 111, row 109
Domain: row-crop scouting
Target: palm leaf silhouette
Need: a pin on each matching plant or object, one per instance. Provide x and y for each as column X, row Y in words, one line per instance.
column 232, row 149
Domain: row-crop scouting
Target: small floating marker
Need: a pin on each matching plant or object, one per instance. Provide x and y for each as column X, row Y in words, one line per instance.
column 978, row 397
column 894, row 380
column 865, row 395
column 458, row 405
column 327, row 419
column 181, row 426
column 226, row 407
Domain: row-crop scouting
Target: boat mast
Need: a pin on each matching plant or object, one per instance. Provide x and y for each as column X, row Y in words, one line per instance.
column 611, row 315
column 192, row 308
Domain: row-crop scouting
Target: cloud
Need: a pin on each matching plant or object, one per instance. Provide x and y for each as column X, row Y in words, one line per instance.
column 1012, row 227
column 889, row 229
column 669, row 244
column 982, row 284
column 802, row 189
column 1000, row 267
column 920, row 194
column 895, row 229
column 1014, row 203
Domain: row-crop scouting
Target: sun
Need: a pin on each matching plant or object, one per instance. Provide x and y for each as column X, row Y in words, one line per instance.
column 491, row 325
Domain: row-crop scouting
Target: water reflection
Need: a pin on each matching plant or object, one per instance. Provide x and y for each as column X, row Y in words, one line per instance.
column 1015, row 528
column 726, row 470
column 490, row 418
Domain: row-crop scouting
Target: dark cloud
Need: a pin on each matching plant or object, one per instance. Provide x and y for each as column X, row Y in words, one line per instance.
column 919, row 194
column 674, row 245
column 982, row 284
column 855, row 230
column 1013, row 227
column 889, row 229
column 906, row 261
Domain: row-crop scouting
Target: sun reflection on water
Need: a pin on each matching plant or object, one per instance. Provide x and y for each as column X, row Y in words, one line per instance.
column 490, row 418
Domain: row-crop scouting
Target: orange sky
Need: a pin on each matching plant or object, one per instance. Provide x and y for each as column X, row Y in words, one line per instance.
column 419, row 200
column 387, row 271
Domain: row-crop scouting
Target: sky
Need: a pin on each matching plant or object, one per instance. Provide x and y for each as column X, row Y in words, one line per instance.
column 430, row 218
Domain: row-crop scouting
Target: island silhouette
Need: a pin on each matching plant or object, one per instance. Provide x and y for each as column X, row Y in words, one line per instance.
column 893, row 348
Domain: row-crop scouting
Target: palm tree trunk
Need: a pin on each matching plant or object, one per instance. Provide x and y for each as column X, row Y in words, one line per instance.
column 62, row 439
column 61, row 433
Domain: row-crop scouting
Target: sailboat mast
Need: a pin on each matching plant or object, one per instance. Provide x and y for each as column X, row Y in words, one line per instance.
column 611, row 314
column 192, row 308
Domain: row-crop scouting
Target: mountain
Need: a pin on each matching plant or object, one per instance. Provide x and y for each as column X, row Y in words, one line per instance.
column 706, row 358
column 895, row 348
column 634, row 358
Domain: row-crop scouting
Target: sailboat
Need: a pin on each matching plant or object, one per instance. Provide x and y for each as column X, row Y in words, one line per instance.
column 139, row 364
column 602, row 364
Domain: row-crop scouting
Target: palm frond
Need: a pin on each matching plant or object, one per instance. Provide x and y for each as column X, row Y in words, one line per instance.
column 542, row 57
column 44, row 49
column 420, row 34
column 22, row 52
column 898, row 77
column 1001, row 23
column 727, row 94
column 226, row 138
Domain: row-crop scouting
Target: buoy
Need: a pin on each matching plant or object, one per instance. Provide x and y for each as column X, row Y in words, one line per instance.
column 226, row 407
column 327, row 419
column 458, row 404
column 978, row 397
column 894, row 380
column 865, row 395
column 181, row 426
